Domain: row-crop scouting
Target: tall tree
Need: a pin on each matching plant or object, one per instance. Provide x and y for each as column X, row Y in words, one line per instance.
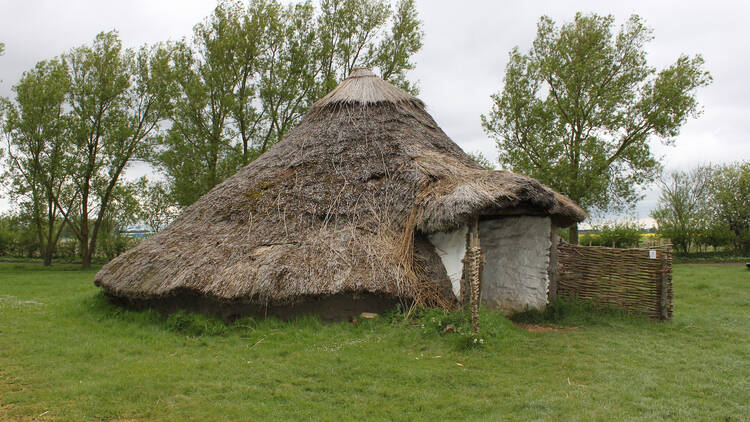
column 396, row 49
column 579, row 109
column 730, row 197
column 249, row 75
column 352, row 33
column 683, row 211
column 37, row 133
column 199, row 150
column 288, row 79
column 347, row 30
column 117, row 99
column 260, row 19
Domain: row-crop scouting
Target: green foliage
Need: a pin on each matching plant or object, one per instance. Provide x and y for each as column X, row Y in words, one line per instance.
column 394, row 53
column 717, row 234
column 249, row 74
column 38, row 132
column 197, row 150
column 75, row 125
column 682, row 212
column 586, row 239
column 118, row 97
column 196, row 324
column 18, row 237
column 157, row 207
column 731, row 202
column 454, row 326
column 114, row 242
column 578, row 110
column 482, row 160
column 67, row 249
column 621, row 234
column 707, row 207
column 123, row 211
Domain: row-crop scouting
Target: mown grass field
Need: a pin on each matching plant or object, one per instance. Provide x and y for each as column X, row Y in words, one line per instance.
column 66, row 354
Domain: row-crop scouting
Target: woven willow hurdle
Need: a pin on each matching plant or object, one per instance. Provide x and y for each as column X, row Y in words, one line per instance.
column 637, row 280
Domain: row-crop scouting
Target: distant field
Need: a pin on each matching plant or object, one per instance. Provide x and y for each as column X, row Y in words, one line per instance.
column 66, row 354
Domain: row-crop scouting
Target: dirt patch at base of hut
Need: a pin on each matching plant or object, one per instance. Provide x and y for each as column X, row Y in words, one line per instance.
column 535, row 328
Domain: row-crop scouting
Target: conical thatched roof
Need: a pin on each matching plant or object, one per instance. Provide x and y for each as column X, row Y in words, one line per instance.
column 340, row 205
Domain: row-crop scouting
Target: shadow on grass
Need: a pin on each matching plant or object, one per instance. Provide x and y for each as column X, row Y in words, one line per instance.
column 574, row 312
column 28, row 267
column 191, row 324
column 452, row 328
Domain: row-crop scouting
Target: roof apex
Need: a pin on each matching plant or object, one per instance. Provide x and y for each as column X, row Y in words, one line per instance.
column 366, row 88
column 361, row 72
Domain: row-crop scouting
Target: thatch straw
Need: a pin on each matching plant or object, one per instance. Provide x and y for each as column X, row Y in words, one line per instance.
column 336, row 207
column 364, row 88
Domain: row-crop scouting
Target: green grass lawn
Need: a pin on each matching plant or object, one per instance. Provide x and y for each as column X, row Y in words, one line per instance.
column 66, row 354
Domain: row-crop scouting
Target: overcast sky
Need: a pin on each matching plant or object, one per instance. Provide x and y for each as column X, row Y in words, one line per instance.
column 462, row 63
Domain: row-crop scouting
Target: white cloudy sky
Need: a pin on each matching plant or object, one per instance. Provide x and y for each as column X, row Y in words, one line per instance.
column 462, row 62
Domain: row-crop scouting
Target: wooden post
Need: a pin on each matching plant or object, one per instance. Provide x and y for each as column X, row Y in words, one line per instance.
column 473, row 264
column 552, row 270
column 464, row 298
column 662, row 289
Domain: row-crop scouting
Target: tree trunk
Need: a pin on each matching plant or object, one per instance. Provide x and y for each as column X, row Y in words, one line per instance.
column 39, row 228
column 50, row 246
column 573, row 234
column 85, row 255
column 83, row 236
column 42, row 249
column 49, row 251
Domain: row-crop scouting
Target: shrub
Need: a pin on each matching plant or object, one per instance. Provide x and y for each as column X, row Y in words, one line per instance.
column 590, row 239
column 195, row 324
column 494, row 327
column 621, row 235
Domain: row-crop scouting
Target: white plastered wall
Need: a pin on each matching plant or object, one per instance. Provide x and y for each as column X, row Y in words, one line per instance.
column 516, row 251
column 451, row 247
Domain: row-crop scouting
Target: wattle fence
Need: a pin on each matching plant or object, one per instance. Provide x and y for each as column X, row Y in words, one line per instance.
column 637, row 280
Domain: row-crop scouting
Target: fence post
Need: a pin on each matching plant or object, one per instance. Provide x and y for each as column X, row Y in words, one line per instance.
column 552, row 271
column 473, row 265
column 662, row 289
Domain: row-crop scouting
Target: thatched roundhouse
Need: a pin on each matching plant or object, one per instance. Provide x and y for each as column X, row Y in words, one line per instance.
column 365, row 203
